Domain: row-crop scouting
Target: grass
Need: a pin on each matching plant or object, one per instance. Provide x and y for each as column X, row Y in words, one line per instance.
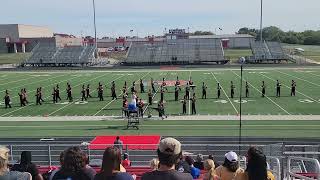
column 308, row 87
column 305, row 103
column 11, row 58
column 311, row 52
column 284, row 129
column 234, row 54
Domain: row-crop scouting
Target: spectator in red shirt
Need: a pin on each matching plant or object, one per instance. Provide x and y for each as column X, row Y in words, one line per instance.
column 126, row 162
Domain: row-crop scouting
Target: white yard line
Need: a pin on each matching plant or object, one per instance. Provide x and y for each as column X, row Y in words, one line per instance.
column 164, row 125
column 265, row 95
column 145, row 109
column 290, row 88
column 79, row 98
column 298, row 78
column 23, row 85
column 170, row 118
column 47, row 86
column 225, row 93
column 118, row 96
column 189, row 100
column 314, row 74
column 16, row 81
column 175, row 70
column 44, row 98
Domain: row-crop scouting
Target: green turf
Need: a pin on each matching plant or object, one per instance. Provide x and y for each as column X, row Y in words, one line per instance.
column 11, row 58
column 308, row 88
column 311, row 52
column 166, row 128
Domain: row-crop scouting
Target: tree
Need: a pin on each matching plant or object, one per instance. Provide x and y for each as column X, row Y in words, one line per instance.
column 197, row 33
column 272, row 33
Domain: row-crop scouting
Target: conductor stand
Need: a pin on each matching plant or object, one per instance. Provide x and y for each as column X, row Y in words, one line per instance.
column 133, row 117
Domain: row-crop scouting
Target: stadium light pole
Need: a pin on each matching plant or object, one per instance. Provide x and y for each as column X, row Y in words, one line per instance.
column 261, row 19
column 95, row 28
column 242, row 61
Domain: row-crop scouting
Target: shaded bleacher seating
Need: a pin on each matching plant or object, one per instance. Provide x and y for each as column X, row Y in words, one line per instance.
column 266, row 51
column 49, row 55
column 178, row 51
column 276, row 50
column 42, row 53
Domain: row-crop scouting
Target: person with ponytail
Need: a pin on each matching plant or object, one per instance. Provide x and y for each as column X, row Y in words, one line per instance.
column 256, row 167
column 209, row 167
column 26, row 165
column 111, row 166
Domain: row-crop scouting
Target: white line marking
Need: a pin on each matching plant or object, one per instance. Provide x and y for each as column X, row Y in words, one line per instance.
column 118, row 96
column 175, row 70
column 79, row 98
column 298, row 78
column 145, row 109
column 225, row 93
column 44, row 98
column 189, row 108
column 20, row 86
column 265, row 95
column 290, row 88
column 313, row 74
column 16, row 81
column 166, row 125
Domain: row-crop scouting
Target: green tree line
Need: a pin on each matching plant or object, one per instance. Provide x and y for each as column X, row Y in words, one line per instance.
column 272, row 33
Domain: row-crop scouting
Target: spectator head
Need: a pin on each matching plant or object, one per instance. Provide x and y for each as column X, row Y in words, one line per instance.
column 257, row 165
column 125, row 156
column 26, row 157
column 208, row 164
column 199, row 158
column 189, row 160
column 117, row 138
column 111, row 161
column 4, row 159
column 169, row 152
column 154, row 164
column 73, row 160
column 231, row 161
column 210, row 157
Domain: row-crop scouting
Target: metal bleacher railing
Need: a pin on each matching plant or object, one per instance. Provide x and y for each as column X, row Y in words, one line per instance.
column 284, row 161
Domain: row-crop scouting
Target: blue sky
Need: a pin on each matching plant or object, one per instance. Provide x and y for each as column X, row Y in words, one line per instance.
column 151, row 17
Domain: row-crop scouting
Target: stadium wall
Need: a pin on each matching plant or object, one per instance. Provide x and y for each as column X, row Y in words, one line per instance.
column 28, row 31
column 240, row 43
column 3, row 45
column 235, row 41
column 68, row 41
column 9, row 31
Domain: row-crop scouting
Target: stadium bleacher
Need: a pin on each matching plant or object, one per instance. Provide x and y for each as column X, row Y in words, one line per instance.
column 276, row 50
column 178, row 51
column 49, row 55
column 266, row 51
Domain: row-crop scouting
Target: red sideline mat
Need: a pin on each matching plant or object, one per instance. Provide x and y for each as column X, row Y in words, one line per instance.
column 132, row 142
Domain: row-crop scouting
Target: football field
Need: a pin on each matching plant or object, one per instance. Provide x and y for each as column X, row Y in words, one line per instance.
column 276, row 117
column 306, row 101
